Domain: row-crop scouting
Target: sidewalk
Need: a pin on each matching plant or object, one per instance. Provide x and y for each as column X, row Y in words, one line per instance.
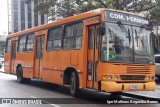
column 2, row 70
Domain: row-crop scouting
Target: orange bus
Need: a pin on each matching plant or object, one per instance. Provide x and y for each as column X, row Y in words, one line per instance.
column 103, row 49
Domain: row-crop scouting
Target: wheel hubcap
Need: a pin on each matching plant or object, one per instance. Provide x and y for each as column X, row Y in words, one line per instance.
column 72, row 83
column 19, row 74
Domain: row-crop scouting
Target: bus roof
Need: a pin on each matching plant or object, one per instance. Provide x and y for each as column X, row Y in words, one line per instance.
column 59, row 22
column 67, row 20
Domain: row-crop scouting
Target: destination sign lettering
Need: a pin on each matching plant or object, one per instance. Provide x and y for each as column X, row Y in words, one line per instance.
column 127, row 18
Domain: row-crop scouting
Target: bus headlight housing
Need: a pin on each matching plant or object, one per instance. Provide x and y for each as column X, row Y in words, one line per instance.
column 109, row 77
column 152, row 78
column 148, row 77
column 115, row 77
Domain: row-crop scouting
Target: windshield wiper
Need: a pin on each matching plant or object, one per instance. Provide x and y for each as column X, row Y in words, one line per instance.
column 122, row 27
column 129, row 37
column 137, row 34
column 140, row 30
column 127, row 33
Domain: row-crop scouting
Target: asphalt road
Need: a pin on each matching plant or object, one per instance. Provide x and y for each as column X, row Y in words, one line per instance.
column 10, row 88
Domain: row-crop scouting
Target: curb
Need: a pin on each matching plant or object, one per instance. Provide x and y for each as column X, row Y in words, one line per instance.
column 140, row 96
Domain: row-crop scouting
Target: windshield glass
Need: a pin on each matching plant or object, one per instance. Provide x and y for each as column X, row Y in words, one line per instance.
column 142, row 45
column 125, row 43
column 119, row 46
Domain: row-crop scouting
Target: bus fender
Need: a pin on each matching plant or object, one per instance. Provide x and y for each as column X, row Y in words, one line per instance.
column 67, row 74
column 18, row 65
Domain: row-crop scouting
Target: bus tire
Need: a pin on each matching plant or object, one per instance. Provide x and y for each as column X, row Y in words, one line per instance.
column 74, row 85
column 20, row 77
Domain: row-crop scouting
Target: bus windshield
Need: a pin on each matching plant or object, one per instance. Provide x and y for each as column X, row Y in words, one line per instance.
column 126, row 43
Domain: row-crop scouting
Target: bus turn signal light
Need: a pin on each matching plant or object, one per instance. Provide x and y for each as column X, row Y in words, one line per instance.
column 109, row 77
column 104, row 77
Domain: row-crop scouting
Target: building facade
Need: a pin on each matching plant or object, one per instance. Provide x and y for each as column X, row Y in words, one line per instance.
column 22, row 16
column 2, row 37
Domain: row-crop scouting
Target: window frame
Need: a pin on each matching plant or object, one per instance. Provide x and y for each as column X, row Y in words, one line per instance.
column 29, row 42
column 90, row 39
column 61, row 39
column 72, row 24
column 25, row 35
column 6, row 47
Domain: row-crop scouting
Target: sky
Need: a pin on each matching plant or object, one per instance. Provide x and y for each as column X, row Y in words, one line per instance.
column 3, row 17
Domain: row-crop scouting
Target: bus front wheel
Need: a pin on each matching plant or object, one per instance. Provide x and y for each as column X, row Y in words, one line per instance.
column 20, row 77
column 74, row 85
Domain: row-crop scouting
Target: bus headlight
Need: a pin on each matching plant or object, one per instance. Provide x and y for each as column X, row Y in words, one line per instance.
column 148, row 77
column 109, row 77
column 115, row 77
column 152, row 78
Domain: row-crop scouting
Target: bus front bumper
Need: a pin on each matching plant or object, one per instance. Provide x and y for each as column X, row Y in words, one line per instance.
column 111, row 86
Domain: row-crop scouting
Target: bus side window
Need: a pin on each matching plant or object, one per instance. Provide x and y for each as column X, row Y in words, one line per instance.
column 8, row 44
column 37, row 48
column 90, row 39
column 22, row 43
column 42, row 47
column 30, row 42
column 55, row 38
column 97, row 38
column 73, row 36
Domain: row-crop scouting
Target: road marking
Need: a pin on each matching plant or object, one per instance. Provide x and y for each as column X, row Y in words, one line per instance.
column 33, row 97
column 55, row 105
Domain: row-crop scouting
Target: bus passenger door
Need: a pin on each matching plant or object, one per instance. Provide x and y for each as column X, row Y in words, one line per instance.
column 13, row 56
column 92, row 62
column 39, row 56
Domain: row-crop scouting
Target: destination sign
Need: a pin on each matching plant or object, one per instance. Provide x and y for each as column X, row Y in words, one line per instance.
column 127, row 18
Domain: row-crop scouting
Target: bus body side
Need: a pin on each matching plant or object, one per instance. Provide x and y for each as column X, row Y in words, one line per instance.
column 56, row 66
column 55, row 63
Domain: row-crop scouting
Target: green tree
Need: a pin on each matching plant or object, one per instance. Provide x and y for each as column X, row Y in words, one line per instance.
column 155, row 11
column 57, row 9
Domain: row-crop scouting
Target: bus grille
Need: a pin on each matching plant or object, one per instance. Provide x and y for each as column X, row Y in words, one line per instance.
column 132, row 77
column 138, row 70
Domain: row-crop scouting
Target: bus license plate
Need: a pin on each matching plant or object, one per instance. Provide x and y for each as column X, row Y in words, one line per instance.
column 134, row 87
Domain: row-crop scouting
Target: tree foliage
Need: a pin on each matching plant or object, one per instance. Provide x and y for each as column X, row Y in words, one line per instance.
column 57, row 9
column 155, row 11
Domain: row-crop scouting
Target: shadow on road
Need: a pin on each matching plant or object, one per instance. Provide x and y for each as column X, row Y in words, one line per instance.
column 66, row 90
column 86, row 96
